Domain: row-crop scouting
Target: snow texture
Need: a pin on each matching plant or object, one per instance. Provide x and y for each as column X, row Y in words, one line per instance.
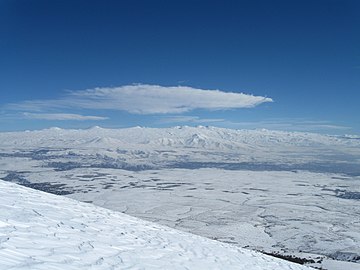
column 44, row 231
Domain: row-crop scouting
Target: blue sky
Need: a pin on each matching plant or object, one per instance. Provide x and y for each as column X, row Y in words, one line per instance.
column 76, row 64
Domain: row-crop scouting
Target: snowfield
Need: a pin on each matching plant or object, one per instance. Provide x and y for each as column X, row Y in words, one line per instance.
column 292, row 193
column 44, row 231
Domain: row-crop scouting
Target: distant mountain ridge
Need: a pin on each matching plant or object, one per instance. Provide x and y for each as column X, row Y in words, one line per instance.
column 182, row 145
column 187, row 136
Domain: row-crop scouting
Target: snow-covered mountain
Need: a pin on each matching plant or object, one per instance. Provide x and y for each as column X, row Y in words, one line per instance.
column 44, row 231
column 205, row 137
column 189, row 146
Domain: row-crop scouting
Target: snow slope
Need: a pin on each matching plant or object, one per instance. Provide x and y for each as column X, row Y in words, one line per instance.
column 44, row 231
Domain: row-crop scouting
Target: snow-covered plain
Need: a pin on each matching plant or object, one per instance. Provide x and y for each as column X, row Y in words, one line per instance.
column 292, row 193
column 44, row 231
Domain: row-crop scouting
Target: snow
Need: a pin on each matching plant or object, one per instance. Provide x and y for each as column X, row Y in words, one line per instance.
column 339, row 265
column 181, row 147
column 271, row 211
column 44, row 231
column 288, row 192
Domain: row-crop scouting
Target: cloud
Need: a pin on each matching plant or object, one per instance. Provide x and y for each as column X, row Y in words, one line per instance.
column 288, row 124
column 146, row 99
column 62, row 116
column 189, row 119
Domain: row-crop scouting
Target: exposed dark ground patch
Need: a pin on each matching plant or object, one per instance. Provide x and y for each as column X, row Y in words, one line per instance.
column 58, row 189
column 290, row 258
column 350, row 195
column 346, row 256
column 344, row 194
column 350, row 169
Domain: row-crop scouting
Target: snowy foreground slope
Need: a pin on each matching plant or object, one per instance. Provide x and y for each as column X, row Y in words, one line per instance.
column 44, row 231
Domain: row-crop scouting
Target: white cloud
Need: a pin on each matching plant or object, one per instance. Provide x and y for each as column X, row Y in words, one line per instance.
column 291, row 124
column 288, row 124
column 62, row 116
column 146, row 99
column 189, row 119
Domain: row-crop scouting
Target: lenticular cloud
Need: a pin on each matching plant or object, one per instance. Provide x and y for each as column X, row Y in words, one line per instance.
column 62, row 116
column 149, row 99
